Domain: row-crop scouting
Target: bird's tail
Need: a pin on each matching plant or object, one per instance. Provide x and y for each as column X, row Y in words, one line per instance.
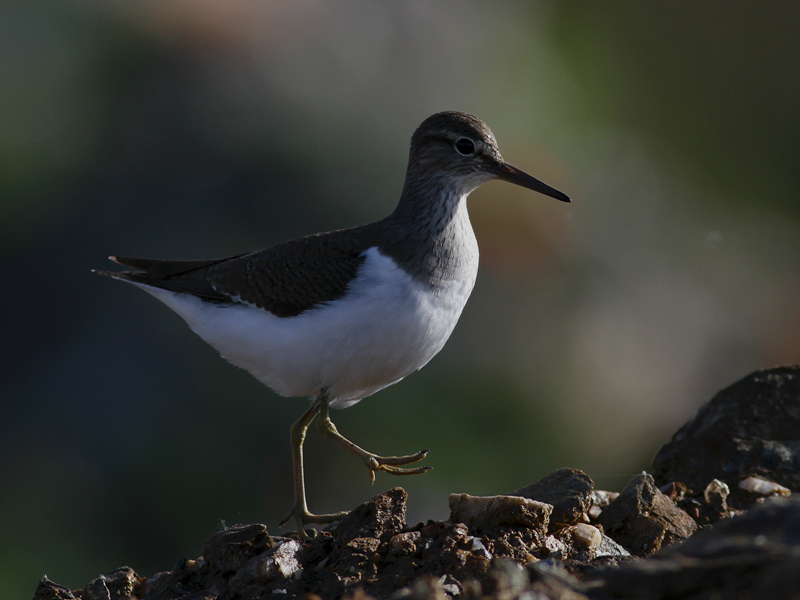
column 171, row 275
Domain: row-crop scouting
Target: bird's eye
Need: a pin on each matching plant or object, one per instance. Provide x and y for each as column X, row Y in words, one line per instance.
column 465, row 146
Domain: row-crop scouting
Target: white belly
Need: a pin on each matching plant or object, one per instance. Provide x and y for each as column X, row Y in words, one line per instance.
column 385, row 328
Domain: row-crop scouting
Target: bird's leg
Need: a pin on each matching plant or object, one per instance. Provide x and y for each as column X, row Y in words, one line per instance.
column 300, row 509
column 373, row 461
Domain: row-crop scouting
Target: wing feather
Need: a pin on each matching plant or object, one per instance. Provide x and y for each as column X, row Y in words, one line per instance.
column 287, row 279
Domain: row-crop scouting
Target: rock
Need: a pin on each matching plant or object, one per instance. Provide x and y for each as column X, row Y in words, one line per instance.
column 501, row 551
column 752, row 556
column 585, row 536
column 708, row 507
column 49, row 590
column 119, row 583
column 599, row 500
column 750, row 428
column 675, row 490
column 357, row 558
column 404, row 543
column 483, row 513
column 187, row 577
column 643, row 519
column 97, row 590
column 568, row 491
column 554, row 548
column 351, row 555
column 603, row 498
column 505, row 578
column 762, row 487
column 274, row 566
column 153, row 585
column 550, row 581
column 479, row 548
column 610, row 548
column 381, row 518
column 448, row 547
column 427, row 588
column 228, row 550
column 579, row 541
column 716, row 495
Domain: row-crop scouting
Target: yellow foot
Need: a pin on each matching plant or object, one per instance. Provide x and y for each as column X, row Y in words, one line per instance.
column 388, row 464
column 303, row 517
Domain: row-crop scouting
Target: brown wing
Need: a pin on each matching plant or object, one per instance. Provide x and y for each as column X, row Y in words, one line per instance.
column 286, row 279
column 292, row 277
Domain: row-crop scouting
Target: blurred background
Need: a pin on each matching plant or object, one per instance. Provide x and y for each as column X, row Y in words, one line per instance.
column 199, row 129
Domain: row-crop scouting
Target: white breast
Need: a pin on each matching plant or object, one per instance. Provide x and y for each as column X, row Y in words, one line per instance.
column 386, row 327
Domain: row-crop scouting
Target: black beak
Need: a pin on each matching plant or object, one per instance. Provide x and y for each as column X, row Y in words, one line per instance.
column 513, row 175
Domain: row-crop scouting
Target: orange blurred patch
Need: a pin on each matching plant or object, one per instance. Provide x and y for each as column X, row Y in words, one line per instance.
column 514, row 234
column 786, row 346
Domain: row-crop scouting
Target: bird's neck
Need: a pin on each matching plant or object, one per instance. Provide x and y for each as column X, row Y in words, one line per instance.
column 429, row 204
column 432, row 237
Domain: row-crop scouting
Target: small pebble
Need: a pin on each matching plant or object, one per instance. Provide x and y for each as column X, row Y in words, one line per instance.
column 716, row 495
column 479, row 548
column 586, row 536
column 762, row 487
column 499, row 510
column 404, row 543
column 555, row 548
column 602, row 498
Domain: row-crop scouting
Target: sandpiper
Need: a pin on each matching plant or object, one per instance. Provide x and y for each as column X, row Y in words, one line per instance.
column 338, row 316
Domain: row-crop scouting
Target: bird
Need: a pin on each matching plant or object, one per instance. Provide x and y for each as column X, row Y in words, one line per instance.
column 338, row 316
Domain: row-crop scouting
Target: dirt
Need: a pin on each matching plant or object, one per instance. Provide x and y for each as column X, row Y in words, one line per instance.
column 716, row 519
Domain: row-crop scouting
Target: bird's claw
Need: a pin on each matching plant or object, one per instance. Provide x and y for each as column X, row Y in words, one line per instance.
column 303, row 518
column 389, row 464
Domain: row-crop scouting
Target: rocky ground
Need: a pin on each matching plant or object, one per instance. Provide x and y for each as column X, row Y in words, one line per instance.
column 715, row 519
